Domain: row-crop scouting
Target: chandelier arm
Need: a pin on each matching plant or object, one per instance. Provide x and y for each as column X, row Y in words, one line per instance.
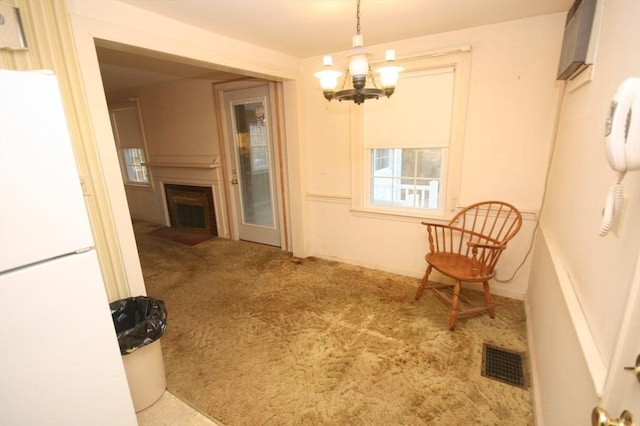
column 347, row 77
column 372, row 78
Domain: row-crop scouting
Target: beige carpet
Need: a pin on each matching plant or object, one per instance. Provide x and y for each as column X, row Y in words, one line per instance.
column 190, row 238
column 258, row 337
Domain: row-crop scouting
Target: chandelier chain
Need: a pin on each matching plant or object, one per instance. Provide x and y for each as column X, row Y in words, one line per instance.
column 358, row 17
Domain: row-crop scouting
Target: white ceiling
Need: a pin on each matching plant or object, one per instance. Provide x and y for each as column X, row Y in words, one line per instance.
column 305, row 28
column 126, row 68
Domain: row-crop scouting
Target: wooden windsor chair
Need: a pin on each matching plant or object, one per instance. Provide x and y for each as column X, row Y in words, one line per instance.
column 467, row 250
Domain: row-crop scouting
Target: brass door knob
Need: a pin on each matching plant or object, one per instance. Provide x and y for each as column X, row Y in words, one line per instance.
column 636, row 368
column 600, row 417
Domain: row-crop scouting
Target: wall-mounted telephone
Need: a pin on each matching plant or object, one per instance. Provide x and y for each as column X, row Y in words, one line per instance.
column 622, row 136
column 622, row 144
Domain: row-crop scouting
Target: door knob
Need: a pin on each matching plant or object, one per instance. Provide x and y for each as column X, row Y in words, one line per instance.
column 635, row 369
column 234, row 181
column 600, row 417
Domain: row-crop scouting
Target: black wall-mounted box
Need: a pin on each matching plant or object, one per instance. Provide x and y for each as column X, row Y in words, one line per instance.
column 577, row 34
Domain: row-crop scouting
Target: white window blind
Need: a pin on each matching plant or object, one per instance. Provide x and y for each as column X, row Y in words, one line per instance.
column 127, row 129
column 129, row 137
column 417, row 115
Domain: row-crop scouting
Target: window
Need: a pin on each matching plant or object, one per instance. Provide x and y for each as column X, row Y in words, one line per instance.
column 408, row 150
column 381, row 159
column 259, row 153
column 409, row 178
column 407, row 140
column 134, row 162
column 129, row 137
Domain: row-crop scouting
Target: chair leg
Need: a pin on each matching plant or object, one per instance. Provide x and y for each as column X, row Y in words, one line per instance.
column 488, row 299
column 454, row 306
column 423, row 283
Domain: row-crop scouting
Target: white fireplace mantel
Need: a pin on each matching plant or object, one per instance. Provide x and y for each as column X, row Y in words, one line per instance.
column 192, row 173
column 184, row 165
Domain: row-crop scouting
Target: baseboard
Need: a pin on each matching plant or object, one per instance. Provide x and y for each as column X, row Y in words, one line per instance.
column 148, row 219
column 536, row 397
column 496, row 290
column 385, row 268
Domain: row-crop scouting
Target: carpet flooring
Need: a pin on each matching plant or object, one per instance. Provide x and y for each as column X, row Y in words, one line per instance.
column 190, row 238
column 258, row 337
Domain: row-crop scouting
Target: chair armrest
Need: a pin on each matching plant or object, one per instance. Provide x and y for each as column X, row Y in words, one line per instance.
column 444, row 238
column 488, row 256
column 434, row 224
column 476, row 246
column 442, row 225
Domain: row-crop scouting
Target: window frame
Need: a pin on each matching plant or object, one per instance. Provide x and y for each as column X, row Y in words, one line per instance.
column 459, row 58
column 262, row 148
column 127, row 167
column 370, row 176
column 130, row 104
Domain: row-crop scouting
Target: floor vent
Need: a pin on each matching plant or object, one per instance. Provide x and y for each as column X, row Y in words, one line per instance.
column 504, row 365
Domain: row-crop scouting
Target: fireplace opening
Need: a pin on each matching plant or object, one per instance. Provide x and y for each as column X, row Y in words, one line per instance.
column 191, row 208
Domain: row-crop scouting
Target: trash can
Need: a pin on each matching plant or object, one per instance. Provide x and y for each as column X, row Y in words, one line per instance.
column 140, row 322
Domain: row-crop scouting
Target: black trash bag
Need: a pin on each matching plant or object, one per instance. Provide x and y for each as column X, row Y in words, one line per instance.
column 139, row 321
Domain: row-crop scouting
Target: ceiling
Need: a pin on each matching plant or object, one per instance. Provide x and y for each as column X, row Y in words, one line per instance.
column 305, row 28
column 123, row 67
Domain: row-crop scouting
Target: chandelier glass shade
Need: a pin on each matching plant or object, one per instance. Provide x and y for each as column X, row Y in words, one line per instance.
column 358, row 73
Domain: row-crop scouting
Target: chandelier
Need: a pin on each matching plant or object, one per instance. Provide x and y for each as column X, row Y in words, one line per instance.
column 359, row 72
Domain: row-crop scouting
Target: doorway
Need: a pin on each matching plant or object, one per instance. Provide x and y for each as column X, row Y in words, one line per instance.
column 248, row 118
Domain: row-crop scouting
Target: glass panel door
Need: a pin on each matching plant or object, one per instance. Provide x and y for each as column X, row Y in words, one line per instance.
column 253, row 163
column 252, row 175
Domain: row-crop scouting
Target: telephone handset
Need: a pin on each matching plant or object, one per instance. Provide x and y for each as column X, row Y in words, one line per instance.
column 621, row 136
column 622, row 144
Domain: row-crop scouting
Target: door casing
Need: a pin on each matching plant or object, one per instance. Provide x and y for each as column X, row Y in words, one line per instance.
column 279, row 155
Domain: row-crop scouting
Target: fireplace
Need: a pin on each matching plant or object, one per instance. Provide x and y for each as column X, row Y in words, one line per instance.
column 191, row 208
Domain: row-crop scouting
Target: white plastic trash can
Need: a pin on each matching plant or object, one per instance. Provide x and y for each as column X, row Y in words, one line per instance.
column 145, row 374
column 140, row 322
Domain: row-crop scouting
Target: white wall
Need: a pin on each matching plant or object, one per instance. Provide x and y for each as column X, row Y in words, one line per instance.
column 181, row 121
column 596, row 272
column 513, row 99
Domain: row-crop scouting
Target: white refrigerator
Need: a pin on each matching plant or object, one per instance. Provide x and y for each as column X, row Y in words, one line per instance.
column 59, row 358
